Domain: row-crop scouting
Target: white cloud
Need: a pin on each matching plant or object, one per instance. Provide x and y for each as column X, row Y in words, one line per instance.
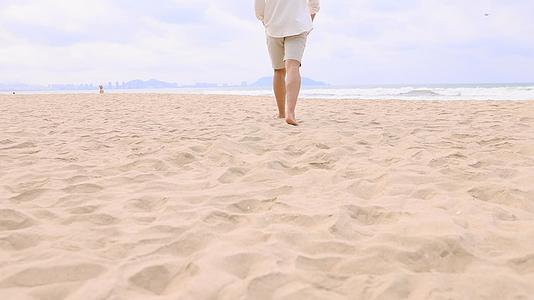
column 184, row 41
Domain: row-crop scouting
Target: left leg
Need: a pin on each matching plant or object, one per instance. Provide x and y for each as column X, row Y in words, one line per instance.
column 293, row 83
column 279, row 87
column 294, row 50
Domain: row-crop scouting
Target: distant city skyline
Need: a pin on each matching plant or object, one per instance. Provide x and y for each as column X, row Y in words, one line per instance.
column 354, row 42
column 142, row 84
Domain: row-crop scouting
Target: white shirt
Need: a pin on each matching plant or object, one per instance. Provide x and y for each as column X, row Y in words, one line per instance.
column 286, row 17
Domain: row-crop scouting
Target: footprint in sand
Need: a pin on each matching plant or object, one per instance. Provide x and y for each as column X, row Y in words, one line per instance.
column 38, row 276
column 252, row 206
column 222, row 221
column 523, row 265
column 265, row 286
column 185, row 246
column 29, row 195
column 96, row 219
column 241, row 264
column 154, row 279
column 199, row 148
column 367, row 189
column 401, row 287
column 166, row 229
column 251, row 139
column 325, row 264
column 282, row 166
column 27, row 184
column 77, row 179
column 451, row 159
column 84, row 188
column 6, row 142
column 322, row 161
column 182, row 159
column 503, row 196
column 322, row 146
column 19, row 241
column 145, row 204
column 12, row 220
column 503, row 215
column 299, row 219
column 277, row 192
column 372, row 215
column 232, row 174
column 424, row 194
column 20, row 146
column 444, row 255
column 351, row 219
column 327, row 248
column 82, row 210
column 144, row 165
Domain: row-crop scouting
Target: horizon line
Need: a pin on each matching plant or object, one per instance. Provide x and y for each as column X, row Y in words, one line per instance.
column 244, row 81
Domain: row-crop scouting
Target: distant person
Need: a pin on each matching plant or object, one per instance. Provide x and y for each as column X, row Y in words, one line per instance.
column 101, row 87
column 287, row 25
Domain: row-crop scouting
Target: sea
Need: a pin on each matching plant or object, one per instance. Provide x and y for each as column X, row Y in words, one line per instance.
column 516, row 91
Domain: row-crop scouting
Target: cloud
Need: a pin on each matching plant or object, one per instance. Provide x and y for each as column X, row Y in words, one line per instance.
column 354, row 42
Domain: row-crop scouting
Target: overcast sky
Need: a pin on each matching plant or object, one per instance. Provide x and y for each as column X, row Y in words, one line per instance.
column 187, row 41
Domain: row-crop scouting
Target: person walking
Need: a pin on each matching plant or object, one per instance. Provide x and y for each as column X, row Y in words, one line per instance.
column 287, row 25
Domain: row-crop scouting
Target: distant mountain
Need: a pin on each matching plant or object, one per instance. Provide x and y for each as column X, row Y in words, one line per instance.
column 140, row 84
column 19, row 87
column 149, row 84
column 268, row 81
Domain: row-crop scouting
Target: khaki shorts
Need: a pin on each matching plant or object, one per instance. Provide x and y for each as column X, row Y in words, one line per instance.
column 282, row 49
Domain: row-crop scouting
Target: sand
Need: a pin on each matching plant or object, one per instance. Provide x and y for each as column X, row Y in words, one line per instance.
column 211, row 197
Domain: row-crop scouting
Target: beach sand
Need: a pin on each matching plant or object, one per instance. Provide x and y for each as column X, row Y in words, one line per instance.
column 147, row 196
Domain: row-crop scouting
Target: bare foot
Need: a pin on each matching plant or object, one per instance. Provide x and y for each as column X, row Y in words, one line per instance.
column 291, row 120
column 281, row 116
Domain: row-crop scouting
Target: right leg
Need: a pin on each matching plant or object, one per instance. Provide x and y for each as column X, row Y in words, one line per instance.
column 279, row 87
column 276, row 52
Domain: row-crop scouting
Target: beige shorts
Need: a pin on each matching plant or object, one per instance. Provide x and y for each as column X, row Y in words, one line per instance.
column 282, row 49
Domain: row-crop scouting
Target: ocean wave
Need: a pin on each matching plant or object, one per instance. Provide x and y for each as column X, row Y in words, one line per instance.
column 450, row 92
column 419, row 93
column 321, row 94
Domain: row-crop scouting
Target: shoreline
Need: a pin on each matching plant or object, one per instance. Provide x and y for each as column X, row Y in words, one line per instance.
column 152, row 94
column 514, row 92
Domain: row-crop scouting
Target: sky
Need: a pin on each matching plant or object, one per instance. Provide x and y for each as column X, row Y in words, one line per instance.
column 354, row 42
